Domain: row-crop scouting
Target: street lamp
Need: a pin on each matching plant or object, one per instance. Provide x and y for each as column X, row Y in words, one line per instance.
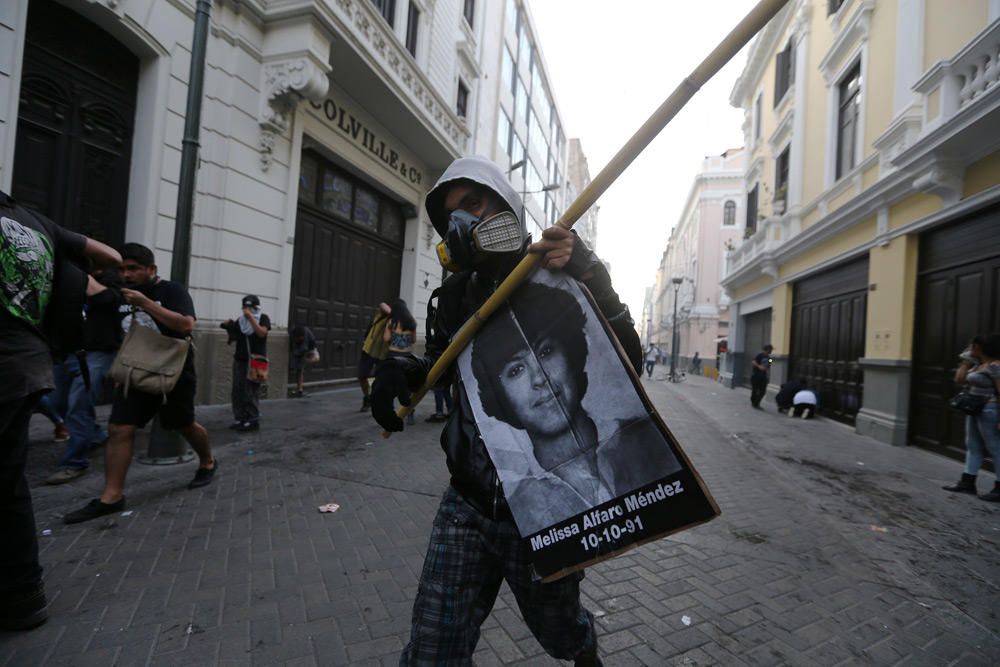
column 673, row 329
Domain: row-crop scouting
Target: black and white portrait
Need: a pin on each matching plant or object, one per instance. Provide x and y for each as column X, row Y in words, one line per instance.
column 560, row 415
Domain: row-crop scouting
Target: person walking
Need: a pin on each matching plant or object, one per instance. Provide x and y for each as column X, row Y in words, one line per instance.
column 80, row 379
column 373, row 350
column 652, row 354
column 979, row 372
column 400, row 335
column 759, row 375
column 475, row 545
column 249, row 333
column 696, row 364
column 166, row 307
column 32, row 249
column 304, row 353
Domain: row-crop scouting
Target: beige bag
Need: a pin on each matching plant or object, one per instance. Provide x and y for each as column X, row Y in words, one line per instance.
column 148, row 361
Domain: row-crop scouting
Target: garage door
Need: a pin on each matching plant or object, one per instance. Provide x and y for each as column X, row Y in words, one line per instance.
column 828, row 337
column 348, row 253
column 958, row 296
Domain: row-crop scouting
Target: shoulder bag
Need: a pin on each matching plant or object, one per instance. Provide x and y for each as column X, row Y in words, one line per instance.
column 257, row 366
column 148, row 361
column 970, row 404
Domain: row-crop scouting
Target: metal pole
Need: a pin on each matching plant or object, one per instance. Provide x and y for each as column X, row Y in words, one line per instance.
column 673, row 337
column 168, row 447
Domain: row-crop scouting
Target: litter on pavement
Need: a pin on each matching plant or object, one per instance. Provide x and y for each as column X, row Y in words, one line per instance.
column 332, row 507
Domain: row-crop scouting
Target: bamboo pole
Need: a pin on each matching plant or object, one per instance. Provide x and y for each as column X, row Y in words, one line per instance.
column 758, row 17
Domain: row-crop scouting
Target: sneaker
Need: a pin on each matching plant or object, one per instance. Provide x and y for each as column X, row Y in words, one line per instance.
column 436, row 417
column 65, row 475
column 203, row 476
column 23, row 610
column 60, row 434
column 247, row 427
column 94, row 509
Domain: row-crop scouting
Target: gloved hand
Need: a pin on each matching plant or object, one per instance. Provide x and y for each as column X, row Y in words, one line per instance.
column 394, row 379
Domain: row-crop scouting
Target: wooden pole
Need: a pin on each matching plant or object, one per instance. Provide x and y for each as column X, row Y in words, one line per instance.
column 723, row 53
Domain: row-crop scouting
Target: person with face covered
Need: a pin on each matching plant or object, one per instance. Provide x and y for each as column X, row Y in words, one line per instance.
column 249, row 333
column 475, row 544
column 530, row 366
column 165, row 307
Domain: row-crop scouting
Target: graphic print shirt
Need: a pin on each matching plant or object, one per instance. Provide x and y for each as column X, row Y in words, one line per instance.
column 171, row 296
column 30, row 247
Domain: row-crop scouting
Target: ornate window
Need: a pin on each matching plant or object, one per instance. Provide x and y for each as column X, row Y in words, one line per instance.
column 729, row 213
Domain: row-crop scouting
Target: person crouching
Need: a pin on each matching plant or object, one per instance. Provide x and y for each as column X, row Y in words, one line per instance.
column 249, row 333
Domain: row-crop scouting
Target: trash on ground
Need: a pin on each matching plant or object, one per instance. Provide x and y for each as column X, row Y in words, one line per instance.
column 47, row 532
column 369, row 444
column 686, row 620
column 598, row 613
column 332, row 507
column 878, row 529
column 127, row 513
column 861, row 463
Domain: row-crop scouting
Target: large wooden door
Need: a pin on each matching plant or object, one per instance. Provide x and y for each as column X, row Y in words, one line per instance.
column 958, row 296
column 348, row 255
column 74, row 126
column 828, row 337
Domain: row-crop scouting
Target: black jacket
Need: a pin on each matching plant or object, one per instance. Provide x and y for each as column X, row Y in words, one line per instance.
column 472, row 472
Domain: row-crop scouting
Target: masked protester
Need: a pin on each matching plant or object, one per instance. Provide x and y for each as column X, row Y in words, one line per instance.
column 474, row 544
column 249, row 333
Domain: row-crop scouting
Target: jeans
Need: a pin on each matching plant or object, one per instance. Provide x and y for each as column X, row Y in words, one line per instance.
column 45, row 407
column 76, row 402
column 981, row 435
column 19, row 546
column 442, row 398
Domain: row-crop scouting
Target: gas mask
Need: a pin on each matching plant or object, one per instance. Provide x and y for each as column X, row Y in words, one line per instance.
column 470, row 239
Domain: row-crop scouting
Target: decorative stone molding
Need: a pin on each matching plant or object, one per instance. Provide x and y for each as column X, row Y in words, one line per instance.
column 856, row 30
column 286, row 83
column 943, row 179
column 901, row 134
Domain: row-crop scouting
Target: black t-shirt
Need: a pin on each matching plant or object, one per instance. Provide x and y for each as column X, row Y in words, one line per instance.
column 764, row 359
column 252, row 343
column 30, row 247
column 171, row 296
column 102, row 331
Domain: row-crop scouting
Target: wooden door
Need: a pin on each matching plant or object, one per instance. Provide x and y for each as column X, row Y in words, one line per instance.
column 758, row 333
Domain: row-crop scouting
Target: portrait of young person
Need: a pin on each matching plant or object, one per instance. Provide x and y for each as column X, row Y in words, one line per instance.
column 557, row 409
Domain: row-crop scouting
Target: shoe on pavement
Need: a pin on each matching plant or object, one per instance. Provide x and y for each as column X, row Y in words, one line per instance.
column 247, row 427
column 436, row 417
column 366, row 404
column 64, row 475
column 967, row 484
column 203, row 476
column 993, row 496
column 235, row 426
column 23, row 610
column 94, row 509
column 60, row 434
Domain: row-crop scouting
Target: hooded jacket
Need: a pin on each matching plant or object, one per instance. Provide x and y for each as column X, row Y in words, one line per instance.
column 472, row 472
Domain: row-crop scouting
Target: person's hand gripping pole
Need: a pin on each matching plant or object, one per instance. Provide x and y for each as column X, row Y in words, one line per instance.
column 758, row 17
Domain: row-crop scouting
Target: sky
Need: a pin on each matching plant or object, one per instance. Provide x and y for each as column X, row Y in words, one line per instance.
column 611, row 64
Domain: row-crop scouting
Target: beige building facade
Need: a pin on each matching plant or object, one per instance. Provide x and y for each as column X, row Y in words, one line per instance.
column 872, row 188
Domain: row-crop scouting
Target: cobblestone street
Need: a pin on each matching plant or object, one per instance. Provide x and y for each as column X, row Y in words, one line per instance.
column 831, row 549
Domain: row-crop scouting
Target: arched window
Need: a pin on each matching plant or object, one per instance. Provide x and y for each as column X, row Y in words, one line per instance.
column 729, row 214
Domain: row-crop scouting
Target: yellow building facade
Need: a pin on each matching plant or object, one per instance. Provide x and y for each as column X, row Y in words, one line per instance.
column 871, row 244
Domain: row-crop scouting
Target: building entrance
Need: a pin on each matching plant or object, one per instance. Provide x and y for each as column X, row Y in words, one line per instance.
column 348, row 257
column 74, row 125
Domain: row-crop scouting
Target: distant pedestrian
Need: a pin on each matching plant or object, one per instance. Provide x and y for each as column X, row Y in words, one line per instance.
column 805, row 403
column 80, row 379
column 979, row 372
column 696, row 364
column 786, row 394
column 166, row 307
column 31, row 249
column 249, row 333
column 759, row 376
column 372, row 351
column 400, row 335
column 651, row 356
column 303, row 353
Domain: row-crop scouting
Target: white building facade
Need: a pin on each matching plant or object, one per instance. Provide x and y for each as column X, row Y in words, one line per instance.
column 705, row 232
column 324, row 123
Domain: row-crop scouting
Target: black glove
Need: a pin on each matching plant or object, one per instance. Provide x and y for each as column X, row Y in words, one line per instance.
column 395, row 378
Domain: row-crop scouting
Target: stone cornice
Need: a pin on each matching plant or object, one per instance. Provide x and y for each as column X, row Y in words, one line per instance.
column 759, row 56
column 855, row 30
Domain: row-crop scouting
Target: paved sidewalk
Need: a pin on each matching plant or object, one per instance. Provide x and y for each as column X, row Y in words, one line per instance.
column 832, row 549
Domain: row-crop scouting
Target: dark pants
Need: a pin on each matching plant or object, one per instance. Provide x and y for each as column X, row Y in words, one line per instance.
column 19, row 567
column 758, row 388
column 76, row 402
column 807, row 408
column 246, row 403
column 649, row 368
column 442, row 401
column 468, row 558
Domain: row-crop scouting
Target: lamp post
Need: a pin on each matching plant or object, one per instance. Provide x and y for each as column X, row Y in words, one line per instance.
column 673, row 327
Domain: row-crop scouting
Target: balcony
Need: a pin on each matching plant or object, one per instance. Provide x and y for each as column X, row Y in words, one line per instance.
column 771, row 233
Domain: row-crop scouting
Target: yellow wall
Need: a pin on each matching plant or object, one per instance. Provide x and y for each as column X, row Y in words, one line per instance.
column 814, row 153
column 751, row 288
column 841, row 199
column 893, row 272
column 912, row 208
column 878, row 89
column 811, row 218
column 949, row 25
column 781, row 318
column 982, row 175
column 843, row 242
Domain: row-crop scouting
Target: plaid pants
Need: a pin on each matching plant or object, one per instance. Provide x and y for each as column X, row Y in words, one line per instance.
column 469, row 556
